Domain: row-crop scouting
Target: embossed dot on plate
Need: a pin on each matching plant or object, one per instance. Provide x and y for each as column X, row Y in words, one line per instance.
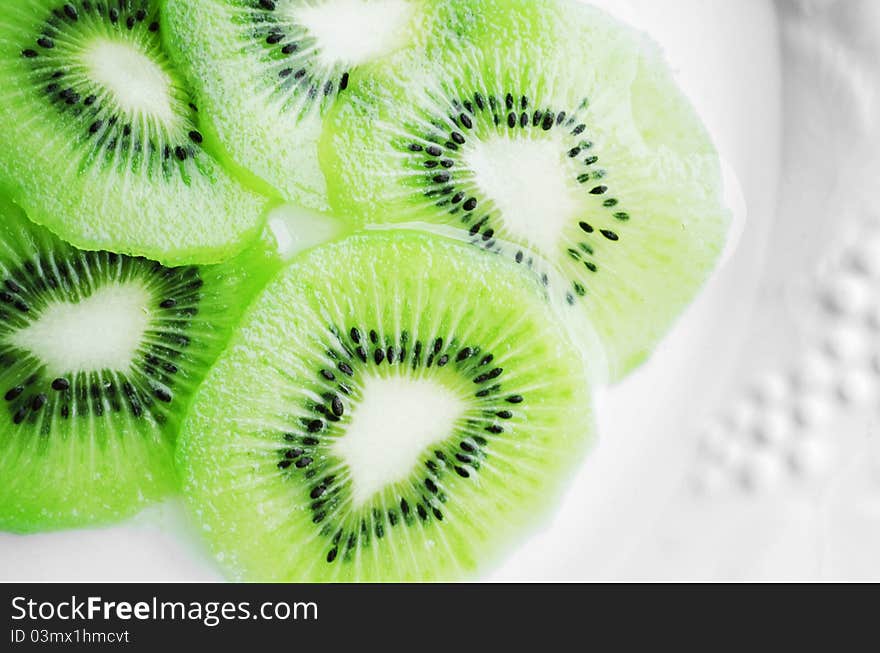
column 772, row 389
column 772, row 428
column 857, row 387
column 761, row 471
column 810, row 458
column 708, row 480
column 866, row 257
column 847, row 296
column 872, row 317
column 743, row 415
column 812, row 410
column 815, row 372
column 732, row 454
column 847, row 345
column 713, row 441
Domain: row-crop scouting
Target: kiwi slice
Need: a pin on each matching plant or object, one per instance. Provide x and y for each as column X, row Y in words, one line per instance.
column 99, row 357
column 549, row 133
column 400, row 418
column 100, row 140
column 267, row 71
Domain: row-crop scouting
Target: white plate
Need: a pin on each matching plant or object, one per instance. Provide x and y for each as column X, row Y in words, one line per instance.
column 703, row 470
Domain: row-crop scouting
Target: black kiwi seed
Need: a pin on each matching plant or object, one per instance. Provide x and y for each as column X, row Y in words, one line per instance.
column 337, row 407
column 20, row 415
column 38, row 402
column 14, row 393
column 60, row 384
column 464, row 354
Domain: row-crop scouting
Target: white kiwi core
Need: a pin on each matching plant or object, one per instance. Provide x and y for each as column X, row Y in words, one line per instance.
column 528, row 182
column 100, row 332
column 396, row 421
column 139, row 84
column 353, row 32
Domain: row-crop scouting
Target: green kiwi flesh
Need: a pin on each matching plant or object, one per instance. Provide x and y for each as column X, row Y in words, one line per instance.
column 99, row 356
column 101, row 140
column 548, row 133
column 267, row 71
column 402, row 418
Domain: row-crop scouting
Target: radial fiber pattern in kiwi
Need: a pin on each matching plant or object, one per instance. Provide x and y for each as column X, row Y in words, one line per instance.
column 261, row 63
column 437, row 172
column 86, row 435
column 128, row 137
column 305, row 451
column 36, row 398
column 99, row 129
column 294, row 76
column 278, row 499
column 548, row 133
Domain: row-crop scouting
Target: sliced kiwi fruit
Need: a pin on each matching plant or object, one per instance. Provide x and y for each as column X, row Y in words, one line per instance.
column 100, row 138
column 99, row 356
column 549, row 133
column 399, row 418
column 267, row 71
